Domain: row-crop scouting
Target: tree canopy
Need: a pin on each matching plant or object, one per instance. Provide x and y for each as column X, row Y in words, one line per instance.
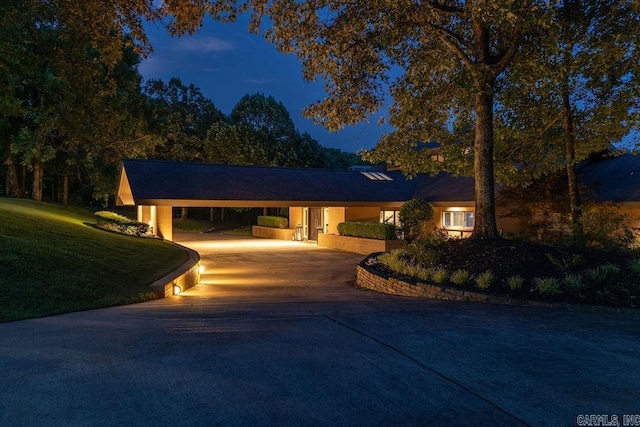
column 440, row 59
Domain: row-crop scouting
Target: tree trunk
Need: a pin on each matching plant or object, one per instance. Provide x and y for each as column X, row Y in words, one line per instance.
column 65, row 190
column 12, row 184
column 184, row 213
column 485, row 215
column 572, row 179
column 210, row 214
column 23, row 182
column 37, row 181
column 222, row 215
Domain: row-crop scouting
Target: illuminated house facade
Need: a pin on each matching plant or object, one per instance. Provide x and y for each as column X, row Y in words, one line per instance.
column 320, row 199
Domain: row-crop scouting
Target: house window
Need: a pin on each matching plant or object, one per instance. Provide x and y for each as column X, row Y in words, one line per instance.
column 451, row 219
column 390, row 217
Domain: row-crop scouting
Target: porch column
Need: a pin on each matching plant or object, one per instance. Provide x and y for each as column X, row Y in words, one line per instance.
column 164, row 221
column 153, row 219
column 144, row 214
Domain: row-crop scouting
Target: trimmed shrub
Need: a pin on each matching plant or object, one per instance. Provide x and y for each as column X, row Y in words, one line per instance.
column 120, row 224
column 573, row 282
column 439, row 275
column 273, row 222
column 548, row 285
column 368, row 230
column 634, row 265
column 515, row 282
column 485, row 280
column 413, row 214
column 460, row 277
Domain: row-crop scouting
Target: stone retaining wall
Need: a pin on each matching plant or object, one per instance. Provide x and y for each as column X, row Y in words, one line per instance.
column 374, row 280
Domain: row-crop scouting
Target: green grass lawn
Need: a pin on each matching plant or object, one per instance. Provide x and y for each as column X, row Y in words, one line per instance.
column 193, row 225
column 245, row 230
column 53, row 261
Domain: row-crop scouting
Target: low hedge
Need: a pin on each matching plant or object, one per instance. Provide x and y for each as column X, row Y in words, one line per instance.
column 120, row 224
column 273, row 222
column 368, row 230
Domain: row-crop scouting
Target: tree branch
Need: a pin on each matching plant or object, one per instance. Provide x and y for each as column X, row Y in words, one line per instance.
column 445, row 37
column 444, row 8
column 502, row 60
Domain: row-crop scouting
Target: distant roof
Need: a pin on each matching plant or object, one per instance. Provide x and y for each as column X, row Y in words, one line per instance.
column 201, row 184
column 612, row 179
column 444, row 188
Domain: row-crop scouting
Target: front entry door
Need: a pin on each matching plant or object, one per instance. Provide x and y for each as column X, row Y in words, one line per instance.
column 315, row 222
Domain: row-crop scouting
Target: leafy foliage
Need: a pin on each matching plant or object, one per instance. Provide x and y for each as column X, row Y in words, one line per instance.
column 413, row 214
column 369, row 230
column 273, row 221
column 120, row 224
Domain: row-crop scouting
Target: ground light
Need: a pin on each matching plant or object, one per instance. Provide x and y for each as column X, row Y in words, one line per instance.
column 176, row 289
column 201, row 269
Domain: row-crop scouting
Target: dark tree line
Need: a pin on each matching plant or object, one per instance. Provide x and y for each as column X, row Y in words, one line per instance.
column 73, row 105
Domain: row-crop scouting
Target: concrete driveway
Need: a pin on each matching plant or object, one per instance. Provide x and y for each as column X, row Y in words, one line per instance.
column 276, row 335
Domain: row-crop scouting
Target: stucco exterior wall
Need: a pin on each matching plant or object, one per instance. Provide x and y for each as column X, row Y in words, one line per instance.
column 336, row 216
column 295, row 216
column 365, row 214
column 508, row 225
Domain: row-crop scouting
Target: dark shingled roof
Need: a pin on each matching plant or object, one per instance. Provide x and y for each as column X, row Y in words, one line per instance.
column 612, row 179
column 444, row 188
column 151, row 179
column 163, row 180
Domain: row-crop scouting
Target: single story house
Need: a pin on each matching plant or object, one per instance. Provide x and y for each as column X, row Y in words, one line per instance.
column 320, row 199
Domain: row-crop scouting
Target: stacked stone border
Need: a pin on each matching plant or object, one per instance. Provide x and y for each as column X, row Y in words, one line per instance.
column 184, row 277
column 372, row 279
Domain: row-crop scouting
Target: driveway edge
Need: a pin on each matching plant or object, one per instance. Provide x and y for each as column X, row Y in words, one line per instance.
column 184, row 277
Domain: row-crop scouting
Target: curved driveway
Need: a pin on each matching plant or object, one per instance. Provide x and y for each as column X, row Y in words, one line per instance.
column 276, row 334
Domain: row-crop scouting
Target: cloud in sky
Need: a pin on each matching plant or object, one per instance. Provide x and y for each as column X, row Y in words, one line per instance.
column 203, row 45
column 257, row 81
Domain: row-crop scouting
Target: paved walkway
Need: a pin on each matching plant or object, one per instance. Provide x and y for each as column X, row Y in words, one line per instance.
column 276, row 335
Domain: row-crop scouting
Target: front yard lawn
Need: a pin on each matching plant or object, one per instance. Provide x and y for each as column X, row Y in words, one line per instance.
column 53, row 261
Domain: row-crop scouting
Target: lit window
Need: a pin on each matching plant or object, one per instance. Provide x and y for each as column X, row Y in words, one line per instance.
column 452, row 219
column 390, row 217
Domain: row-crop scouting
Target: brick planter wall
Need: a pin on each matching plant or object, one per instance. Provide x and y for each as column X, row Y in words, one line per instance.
column 272, row 232
column 358, row 245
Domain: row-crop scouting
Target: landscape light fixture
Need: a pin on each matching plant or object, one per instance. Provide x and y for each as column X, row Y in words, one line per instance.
column 176, row 290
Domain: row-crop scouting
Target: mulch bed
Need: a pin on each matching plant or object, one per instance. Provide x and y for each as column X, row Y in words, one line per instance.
column 530, row 261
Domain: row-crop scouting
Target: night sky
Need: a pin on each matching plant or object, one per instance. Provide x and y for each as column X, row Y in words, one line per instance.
column 226, row 62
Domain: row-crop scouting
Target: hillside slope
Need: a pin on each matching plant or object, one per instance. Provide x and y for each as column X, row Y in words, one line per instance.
column 53, row 261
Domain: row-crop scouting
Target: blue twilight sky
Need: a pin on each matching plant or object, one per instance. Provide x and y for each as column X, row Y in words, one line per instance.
column 226, row 62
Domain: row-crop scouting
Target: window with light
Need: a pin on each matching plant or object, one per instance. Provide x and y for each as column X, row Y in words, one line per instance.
column 459, row 220
column 390, row 217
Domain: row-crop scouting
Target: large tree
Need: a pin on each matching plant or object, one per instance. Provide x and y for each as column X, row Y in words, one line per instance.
column 573, row 92
column 62, row 71
column 180, row 115
column 420, row 48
